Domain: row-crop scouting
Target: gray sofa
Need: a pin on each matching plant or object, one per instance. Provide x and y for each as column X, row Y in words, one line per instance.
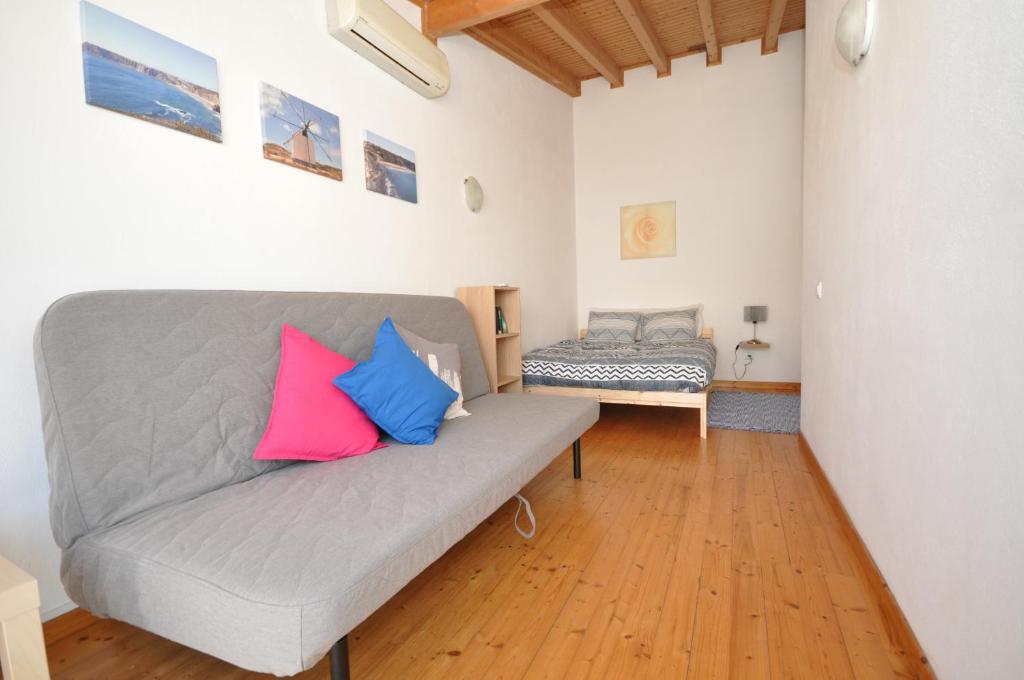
column 153, row 402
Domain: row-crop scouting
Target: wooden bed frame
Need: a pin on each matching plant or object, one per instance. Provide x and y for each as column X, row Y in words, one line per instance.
column 678, row 399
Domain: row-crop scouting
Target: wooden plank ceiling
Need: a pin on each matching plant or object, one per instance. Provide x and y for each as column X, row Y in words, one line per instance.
column 568, row 41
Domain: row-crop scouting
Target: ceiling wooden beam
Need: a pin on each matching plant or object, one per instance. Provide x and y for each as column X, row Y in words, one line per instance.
column 634, row 14
column 559, row 20
column 445, row 17
column 707, row 24
column 770, row 40
column 518, row 51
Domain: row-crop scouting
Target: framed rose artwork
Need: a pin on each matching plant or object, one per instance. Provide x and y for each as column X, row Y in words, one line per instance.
column 647, row 230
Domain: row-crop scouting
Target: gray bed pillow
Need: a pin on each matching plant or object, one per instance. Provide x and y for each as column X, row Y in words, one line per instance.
column 444, row 360
column 671, row 326
column 612, row 327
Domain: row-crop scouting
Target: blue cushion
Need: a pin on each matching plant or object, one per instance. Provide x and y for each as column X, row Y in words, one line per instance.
column 397, row 390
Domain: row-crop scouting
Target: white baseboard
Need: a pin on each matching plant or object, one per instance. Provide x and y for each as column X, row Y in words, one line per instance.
column 57, row 611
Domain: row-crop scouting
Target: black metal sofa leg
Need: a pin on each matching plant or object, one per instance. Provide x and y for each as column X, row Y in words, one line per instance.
column 577, row 468
column 339, row 660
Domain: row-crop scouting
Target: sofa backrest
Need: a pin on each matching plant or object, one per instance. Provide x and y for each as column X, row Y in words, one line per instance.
column 154, row 397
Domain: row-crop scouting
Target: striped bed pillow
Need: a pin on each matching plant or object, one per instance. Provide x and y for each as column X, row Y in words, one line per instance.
column 671, row 326
column 615, row 327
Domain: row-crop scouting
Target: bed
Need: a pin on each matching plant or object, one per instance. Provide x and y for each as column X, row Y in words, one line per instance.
column 664, row 374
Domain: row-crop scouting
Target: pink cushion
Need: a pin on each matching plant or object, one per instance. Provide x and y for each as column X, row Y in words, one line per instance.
column 311, row 419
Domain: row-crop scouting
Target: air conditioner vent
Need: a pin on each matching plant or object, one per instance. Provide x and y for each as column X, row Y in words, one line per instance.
column 377, row 32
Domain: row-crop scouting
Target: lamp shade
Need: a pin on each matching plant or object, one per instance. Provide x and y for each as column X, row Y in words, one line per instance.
column 755, row 313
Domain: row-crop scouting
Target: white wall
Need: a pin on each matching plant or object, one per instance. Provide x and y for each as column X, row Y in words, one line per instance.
column 93, row 199
column 725, row 144
column 914, row 221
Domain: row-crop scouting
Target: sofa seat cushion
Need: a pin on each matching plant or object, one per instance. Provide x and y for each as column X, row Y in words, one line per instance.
column 268, row 573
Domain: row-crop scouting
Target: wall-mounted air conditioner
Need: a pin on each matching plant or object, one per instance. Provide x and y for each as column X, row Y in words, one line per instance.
column 379, row 33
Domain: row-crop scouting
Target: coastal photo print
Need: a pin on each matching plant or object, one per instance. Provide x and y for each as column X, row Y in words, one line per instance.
column 140, row 73
column 647, row 230
column 390, row 168
column 299, row 134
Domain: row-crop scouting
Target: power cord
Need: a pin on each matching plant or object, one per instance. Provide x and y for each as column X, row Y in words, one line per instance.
column 735, row 358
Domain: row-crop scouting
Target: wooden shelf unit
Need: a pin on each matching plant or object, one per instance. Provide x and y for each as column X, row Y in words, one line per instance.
column 502, row 352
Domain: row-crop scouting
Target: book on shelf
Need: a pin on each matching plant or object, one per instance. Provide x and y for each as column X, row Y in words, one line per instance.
column 501, row 324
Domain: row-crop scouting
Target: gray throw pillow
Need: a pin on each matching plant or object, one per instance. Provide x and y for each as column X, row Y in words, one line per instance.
column 443, row 359
column 612, row 327
column 672, row 326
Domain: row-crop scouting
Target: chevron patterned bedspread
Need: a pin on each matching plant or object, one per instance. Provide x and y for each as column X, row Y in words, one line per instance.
column 672, row 367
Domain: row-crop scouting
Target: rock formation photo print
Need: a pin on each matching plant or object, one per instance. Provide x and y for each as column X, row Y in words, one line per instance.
column 390, row 168
column 299, row 134
column 647, row 230
column 140, row 73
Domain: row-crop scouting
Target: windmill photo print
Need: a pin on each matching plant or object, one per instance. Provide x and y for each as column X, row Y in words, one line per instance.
column 299, row 134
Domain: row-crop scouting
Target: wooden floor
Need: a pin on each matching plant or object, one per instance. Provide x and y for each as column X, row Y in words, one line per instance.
column 671, row 558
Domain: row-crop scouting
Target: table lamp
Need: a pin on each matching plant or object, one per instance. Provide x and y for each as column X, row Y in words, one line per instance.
column 754, row 314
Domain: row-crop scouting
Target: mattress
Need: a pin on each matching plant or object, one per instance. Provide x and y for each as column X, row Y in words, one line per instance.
column 686, row 366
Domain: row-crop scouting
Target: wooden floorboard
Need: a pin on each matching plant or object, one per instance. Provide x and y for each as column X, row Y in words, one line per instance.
column 673, row 557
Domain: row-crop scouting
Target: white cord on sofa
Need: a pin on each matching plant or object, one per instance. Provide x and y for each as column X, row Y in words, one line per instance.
column 529, row 513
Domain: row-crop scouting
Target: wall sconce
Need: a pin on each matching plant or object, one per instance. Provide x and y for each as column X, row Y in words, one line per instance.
column 854, row 28
column 473, row 193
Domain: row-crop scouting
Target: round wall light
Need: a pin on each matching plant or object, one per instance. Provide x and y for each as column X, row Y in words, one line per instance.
column 854, row 28
column 474, row 194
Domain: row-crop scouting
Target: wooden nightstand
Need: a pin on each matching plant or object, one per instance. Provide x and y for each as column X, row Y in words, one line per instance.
column 746, row 344
column 22, row 650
